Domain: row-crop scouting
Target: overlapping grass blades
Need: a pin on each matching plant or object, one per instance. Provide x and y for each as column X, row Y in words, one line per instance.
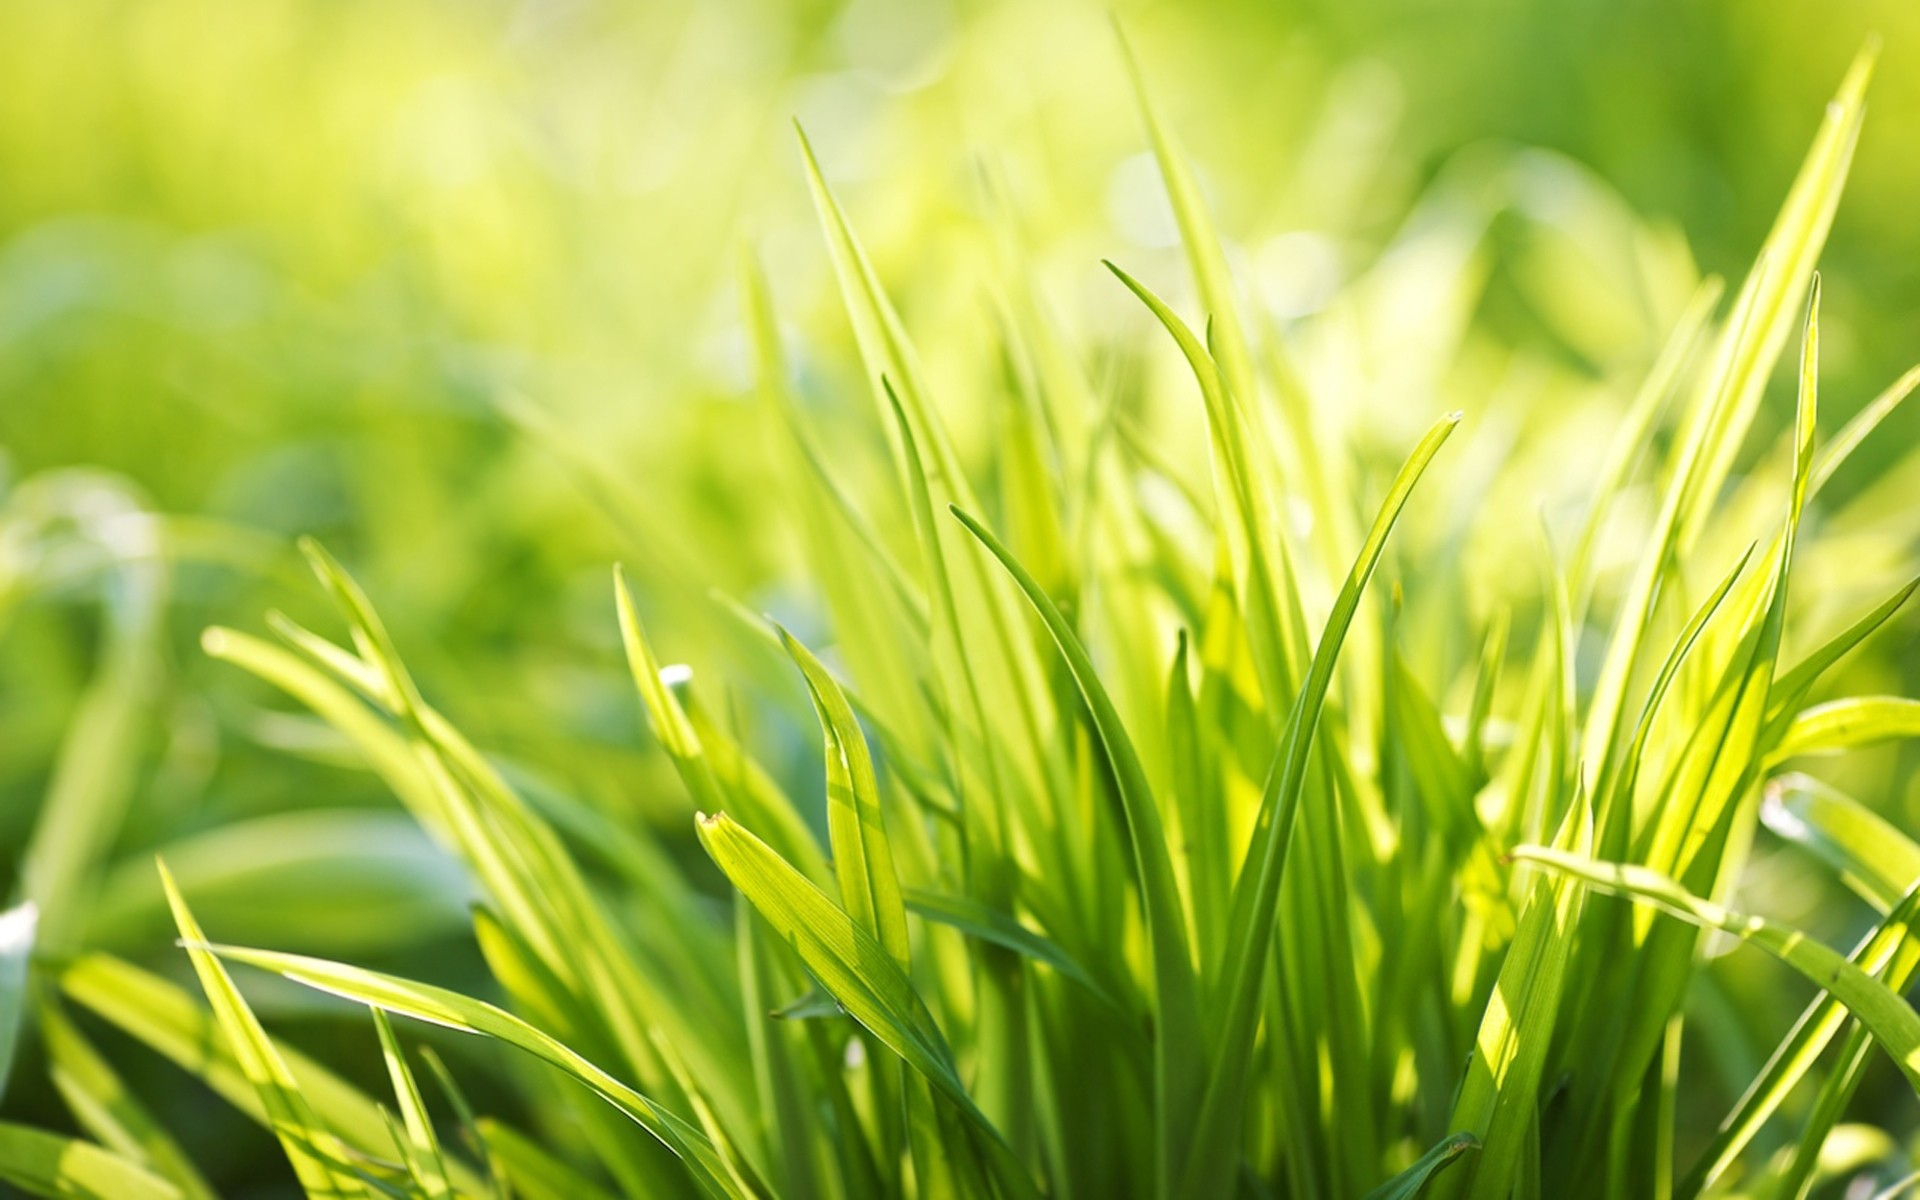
column 1125, row 883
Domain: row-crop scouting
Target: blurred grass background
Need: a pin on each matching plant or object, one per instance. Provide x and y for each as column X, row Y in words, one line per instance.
column 450, row 286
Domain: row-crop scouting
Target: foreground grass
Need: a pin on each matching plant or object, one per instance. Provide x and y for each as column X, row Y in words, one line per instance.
column 1151, row 863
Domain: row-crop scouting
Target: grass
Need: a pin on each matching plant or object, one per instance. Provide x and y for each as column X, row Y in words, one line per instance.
column 1172, row 845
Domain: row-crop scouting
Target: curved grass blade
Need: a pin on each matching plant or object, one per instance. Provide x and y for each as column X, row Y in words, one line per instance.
column 1408, row 1184
column 1889, row 949
column 47, row 1164
column 311, row 1147
column 1180, row 1049
column 439, row 1006
column 1875, row 859
column 682, row 742
column 425, row 1162
column 1257, row 893
column 1844, row 724
column 1792, row 687
column 977, row 920
column 1890, row 1019
column 856, row 826
column 852, row 965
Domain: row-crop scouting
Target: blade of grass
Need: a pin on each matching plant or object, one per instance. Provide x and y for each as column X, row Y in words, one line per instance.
column 1256, row 895
column 451, row 1010
column 47, row 1164
column 1890, row 1019
column 316, row 1154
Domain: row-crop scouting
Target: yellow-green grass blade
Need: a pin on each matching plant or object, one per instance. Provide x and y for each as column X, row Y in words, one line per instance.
column 856, row 969
column 1257, row 892
column 166, row 1019
column 1792, row 248
column 1729, row 392
column 1255, row 545
column 1842, row 445
column 1180, row 1049
column 1888, row 952
column 1844, row 724
column 1879, row 862
column 315, row 1152
column 451, row 1010
column 47, row 1164
column 421, row 1145
column 856, row 824
column 778, row 1061
column 684, row 746
column 101, row 1103
column 538, row 887
column 1205, row 255
column 1792, row 687
column 1890, row 1019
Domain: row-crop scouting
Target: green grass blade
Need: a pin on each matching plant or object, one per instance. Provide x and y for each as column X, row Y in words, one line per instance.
column 977, row 920
column 1257, row 894
column 683, row 745
column 852, row 965
column 1875, row 859
column 103, row 1106
column 439, row 1006
column 1180, row 1050
column 1890, row 1019
column 1844, row 724
column 169, row 1021
column 313, row 1150
column 423, row 1145
column 856, row 824
column 1796, row 1054
column 46, row 1164
column 1408, row 1184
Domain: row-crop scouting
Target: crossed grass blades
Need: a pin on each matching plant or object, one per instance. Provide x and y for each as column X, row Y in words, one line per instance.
column 1150, row 868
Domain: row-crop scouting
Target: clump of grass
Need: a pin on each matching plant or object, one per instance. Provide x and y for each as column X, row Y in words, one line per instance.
column 1150, row 865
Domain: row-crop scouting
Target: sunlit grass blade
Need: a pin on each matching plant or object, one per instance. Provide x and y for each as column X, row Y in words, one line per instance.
column 1874, row 858
column 1887, row 952
column 977, row 920
column 1257, row 893
column 1180, row 1049
column 163, row 1017
column 856, row 824
column 316, row 1154
column 439, row 1006
column 1891, row 1020
column 1844, row 724
column 852, row 964
column 683, row 744
column 47, row 1164
column 426, row 1164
